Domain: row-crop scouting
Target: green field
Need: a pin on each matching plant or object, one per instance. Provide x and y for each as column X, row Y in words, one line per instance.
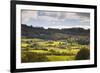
column 39, row 50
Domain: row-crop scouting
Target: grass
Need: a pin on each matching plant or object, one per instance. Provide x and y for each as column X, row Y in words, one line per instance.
column 38, row 51
column 50, row 50
column 60, row 58
column 24, row 45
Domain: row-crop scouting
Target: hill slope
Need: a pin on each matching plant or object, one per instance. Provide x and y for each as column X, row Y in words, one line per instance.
column 51, row 33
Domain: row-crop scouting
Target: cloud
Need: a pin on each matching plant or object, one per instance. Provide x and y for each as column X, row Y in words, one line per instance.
column 84, row 15
column 55, row 19
column 26, row 15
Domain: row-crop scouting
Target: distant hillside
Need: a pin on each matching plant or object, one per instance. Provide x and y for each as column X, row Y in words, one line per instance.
column 51, row 33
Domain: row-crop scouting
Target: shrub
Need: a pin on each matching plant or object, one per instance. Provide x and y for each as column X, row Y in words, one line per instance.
column 52, row 51
column 83, row 54
column 33, row 57
column 83, row 42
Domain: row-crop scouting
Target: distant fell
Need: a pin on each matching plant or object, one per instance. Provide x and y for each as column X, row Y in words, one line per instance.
column 52, row 33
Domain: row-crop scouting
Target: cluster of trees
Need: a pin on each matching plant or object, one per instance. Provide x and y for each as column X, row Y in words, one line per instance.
column 32, row 57
column 51, row 33
column 83, row 54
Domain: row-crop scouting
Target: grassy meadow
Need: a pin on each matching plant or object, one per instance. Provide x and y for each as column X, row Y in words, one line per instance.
column 41, row 50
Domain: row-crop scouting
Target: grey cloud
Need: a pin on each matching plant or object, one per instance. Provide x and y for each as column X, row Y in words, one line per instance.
column 56, row 18
column 87, row 15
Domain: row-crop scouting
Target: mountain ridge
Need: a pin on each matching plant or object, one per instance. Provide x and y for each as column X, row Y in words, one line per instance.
column 50, row 33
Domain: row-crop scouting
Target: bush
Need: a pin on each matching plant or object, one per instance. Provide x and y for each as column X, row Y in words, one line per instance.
column 83, row 54
column 32, row 57
column 83, row 42
column 52, row 51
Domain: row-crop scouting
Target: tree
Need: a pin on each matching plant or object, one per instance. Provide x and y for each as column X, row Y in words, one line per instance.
column 83, row 54
column 32, row 57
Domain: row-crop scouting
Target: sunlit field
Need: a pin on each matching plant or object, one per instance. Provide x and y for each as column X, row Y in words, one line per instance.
column 40, row 50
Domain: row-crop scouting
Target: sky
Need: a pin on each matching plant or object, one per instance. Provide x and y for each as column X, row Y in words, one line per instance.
column 55, row 19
